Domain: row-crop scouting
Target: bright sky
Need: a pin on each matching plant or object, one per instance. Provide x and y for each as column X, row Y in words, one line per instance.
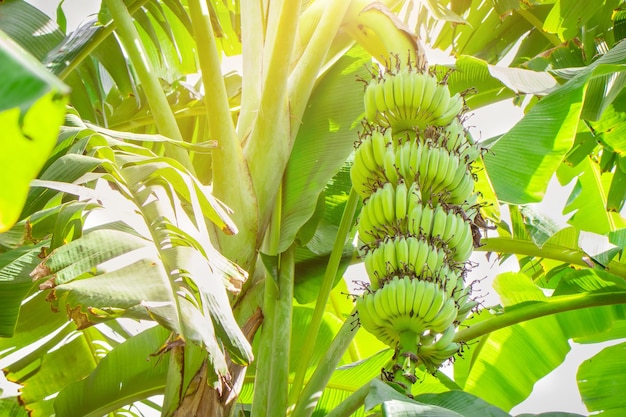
column 558, row 390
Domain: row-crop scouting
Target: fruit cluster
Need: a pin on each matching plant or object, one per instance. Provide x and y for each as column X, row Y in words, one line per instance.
column 412, row 168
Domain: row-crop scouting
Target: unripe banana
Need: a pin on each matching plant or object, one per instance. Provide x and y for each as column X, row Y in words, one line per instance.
column 377, row 202
column 450, row 228
column 391, row 172
column 461, row 193
column 434, row 261
column 430, row 293
column 401, row 201
column 379, row 94
column 415, row 159
column 448, row 279
column 382, row 268
column 399, row 94
column 426, row 220
column 413, row 295
column 463, row 251
column 399, row 297
column 390, row 255
column 367, row 154
column 389, row 201
column 400, row 164
column 464, row 309
column 434, row 157
column 422, row 257
column 409, row 91
column 430, row 84
column 444, row 340
column 414, row 197
column 454, row 109
column 440, row 218
column 451, row 170
column 454, row 135
column 392, row 109
column 414, row 220
column 423, row 167
column 445, row 317
column 368, row 317
column 443, row 103
column 402, row 252
column 370, row 267
column 413, row 245
column 439, row 300
column 365, row 227
column 379, row 147
column 371, row 109
column 442, row 170
column 418, row 93
column 383, row 304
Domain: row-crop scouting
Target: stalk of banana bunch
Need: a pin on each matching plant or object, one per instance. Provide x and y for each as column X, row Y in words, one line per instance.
column 412, row 168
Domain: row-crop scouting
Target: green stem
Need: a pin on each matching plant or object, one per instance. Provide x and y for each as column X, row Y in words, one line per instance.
column 351, row 404
column 406, row 346
column 163, row 116
column 559, row 253
column 554, row 305
column 279, row 375
column 265, row 357
column 268, row 144
column 353, row 349
column 347, row 220
column 252, row 40
column 305, row 73
column 538, row 24
column 312, row 390
column 96, row 41
column 231, row 178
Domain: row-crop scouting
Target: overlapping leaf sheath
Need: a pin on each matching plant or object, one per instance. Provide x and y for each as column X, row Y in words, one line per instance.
column 412, row 168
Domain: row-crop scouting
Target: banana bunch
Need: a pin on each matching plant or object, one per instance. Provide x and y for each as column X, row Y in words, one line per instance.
column 438, row 171
column 402, row 255
column 387, row 211
column 406, row 99
column 412, row 168
column 439, row 224
column 406, row 304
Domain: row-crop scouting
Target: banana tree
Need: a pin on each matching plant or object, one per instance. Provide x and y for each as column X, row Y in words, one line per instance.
column 216, row 205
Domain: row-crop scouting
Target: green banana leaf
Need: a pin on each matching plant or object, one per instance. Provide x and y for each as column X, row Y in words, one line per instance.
column 498, row 370
column 131, row 371
column 325, row 140
column 32, row 105
column 600, row 379
column 529, row 154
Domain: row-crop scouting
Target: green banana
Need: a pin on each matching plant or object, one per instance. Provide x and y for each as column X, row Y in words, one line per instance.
column 412, row 169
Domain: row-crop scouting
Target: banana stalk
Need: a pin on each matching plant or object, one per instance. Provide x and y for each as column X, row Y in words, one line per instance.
column 412, row 168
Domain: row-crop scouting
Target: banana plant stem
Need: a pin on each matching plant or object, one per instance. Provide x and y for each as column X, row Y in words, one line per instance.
column 232, row 183
column 265, row 357
column 269, row 143
column 279, row 376
column 351, row 404
column 313, row 389
column 305, row 73
column 556, row 304
column 163, row 116
column 347, row 219
column 559, row 253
